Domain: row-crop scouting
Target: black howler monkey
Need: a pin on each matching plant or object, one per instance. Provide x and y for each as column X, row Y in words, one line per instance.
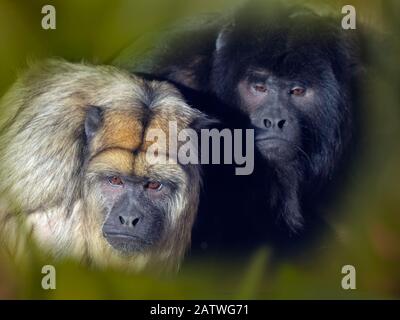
column 294, row 74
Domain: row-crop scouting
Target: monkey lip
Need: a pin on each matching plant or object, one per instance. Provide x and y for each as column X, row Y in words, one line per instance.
column 126, row 243
column 119, row 235
column 122, row 235
column 271, row 140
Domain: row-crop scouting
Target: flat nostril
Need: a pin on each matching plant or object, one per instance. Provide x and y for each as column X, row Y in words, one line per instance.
column 121, row 219
column 267, row 123
column 135, row 221
column 281, row 124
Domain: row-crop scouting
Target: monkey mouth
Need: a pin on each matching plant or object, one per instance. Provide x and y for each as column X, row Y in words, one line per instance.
column 120, row 235
column 126, row 243
column 127, row 236
column 260, row 139
column 265, row 135
column 272, row 143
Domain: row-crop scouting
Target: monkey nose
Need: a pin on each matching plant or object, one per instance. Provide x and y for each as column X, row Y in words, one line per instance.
column 274, row 123
column 130, row 222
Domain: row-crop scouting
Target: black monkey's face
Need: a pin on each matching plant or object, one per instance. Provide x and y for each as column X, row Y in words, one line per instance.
column 273, row 105
column 289, row 112
column 292, row 79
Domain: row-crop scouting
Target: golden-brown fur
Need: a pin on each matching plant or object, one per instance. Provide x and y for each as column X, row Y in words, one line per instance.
column 46, row 169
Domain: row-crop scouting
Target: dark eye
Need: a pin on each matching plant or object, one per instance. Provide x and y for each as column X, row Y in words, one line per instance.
column 259, row 87
column 298, row 91
column 116, row 181
column 154, row 185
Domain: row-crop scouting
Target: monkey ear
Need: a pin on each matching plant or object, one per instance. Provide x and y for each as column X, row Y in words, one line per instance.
column 93, row 121
column 223, row 35
column 220, row 40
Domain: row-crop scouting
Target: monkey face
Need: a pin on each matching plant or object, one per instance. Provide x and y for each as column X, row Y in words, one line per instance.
column 140, row 204
column 289, row 115
column 271, row 110
column 137, row 203
column 137, row 212
column 137, row 206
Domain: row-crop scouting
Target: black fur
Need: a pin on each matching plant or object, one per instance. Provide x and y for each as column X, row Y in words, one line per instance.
column 279, row 202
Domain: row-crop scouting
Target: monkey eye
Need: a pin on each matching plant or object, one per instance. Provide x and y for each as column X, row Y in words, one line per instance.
column 259, row 87
column 298, row 91
column 116, row 181
column 154, row 185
